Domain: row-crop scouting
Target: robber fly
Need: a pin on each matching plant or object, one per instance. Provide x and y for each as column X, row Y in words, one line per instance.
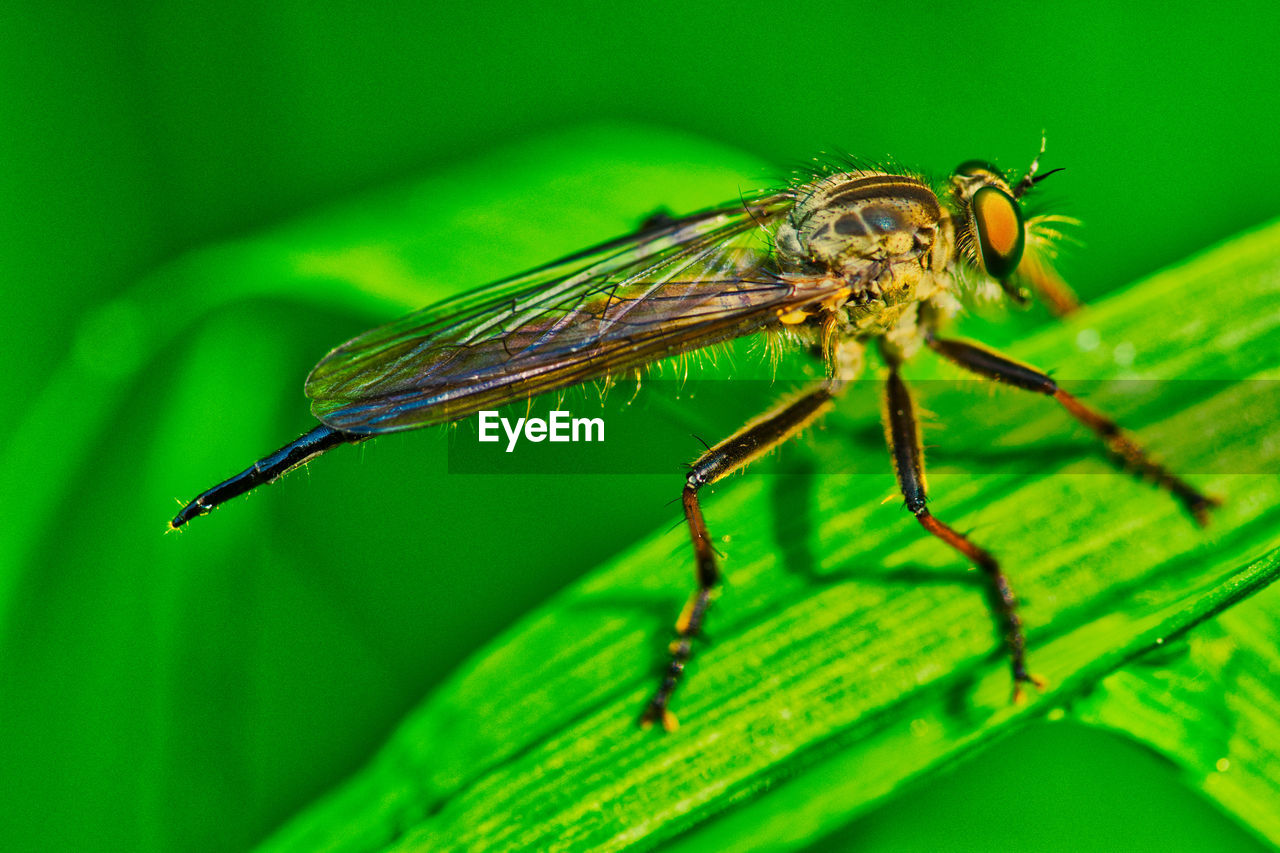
column 845, row 257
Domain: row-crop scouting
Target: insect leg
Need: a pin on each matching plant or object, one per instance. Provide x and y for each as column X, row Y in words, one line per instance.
column 903, row 435
column 265, row 470
column 992, row 365
column 743, row 447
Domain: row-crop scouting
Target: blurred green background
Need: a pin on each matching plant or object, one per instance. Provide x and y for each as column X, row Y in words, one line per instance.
column 190, row 692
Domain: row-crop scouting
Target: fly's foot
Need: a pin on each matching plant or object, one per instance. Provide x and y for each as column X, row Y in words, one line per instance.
column 681, row 650
column 688, row 626
column 1200, row 505
column 656, row 713
column 1021, row 677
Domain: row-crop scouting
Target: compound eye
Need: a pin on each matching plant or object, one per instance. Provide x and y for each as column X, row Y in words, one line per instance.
column 998, row 221
column 978, row 168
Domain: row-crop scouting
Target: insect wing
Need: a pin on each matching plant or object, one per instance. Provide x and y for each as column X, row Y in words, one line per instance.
column 666, row 290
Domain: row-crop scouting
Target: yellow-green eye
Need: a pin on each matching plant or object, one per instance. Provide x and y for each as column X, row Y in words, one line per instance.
column 998, row 221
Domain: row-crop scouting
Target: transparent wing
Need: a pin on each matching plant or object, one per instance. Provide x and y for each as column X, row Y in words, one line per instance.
column 666, row 290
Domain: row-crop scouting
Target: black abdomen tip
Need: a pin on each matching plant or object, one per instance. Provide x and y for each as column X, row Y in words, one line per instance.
column 265, row 470
column 188, row 512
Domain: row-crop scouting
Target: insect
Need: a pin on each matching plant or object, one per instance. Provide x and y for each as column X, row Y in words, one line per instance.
column 846, row 257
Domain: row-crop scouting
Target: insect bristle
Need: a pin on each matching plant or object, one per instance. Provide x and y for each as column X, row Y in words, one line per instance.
column 975, row 286
column 828, row 166
column 965, row 245
column 774, row 342
column 604, row 385
column 1047, row 237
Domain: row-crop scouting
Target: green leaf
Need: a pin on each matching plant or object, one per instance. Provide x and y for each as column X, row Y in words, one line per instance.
column 849, row 652
column 1212, row 706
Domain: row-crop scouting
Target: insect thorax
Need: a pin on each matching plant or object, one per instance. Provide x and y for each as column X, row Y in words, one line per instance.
column 886, row 234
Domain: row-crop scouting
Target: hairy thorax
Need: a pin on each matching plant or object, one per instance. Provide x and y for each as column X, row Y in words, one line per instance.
column 887, row 236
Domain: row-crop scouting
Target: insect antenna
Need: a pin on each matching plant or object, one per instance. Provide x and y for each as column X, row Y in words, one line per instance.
column 1030, row 179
